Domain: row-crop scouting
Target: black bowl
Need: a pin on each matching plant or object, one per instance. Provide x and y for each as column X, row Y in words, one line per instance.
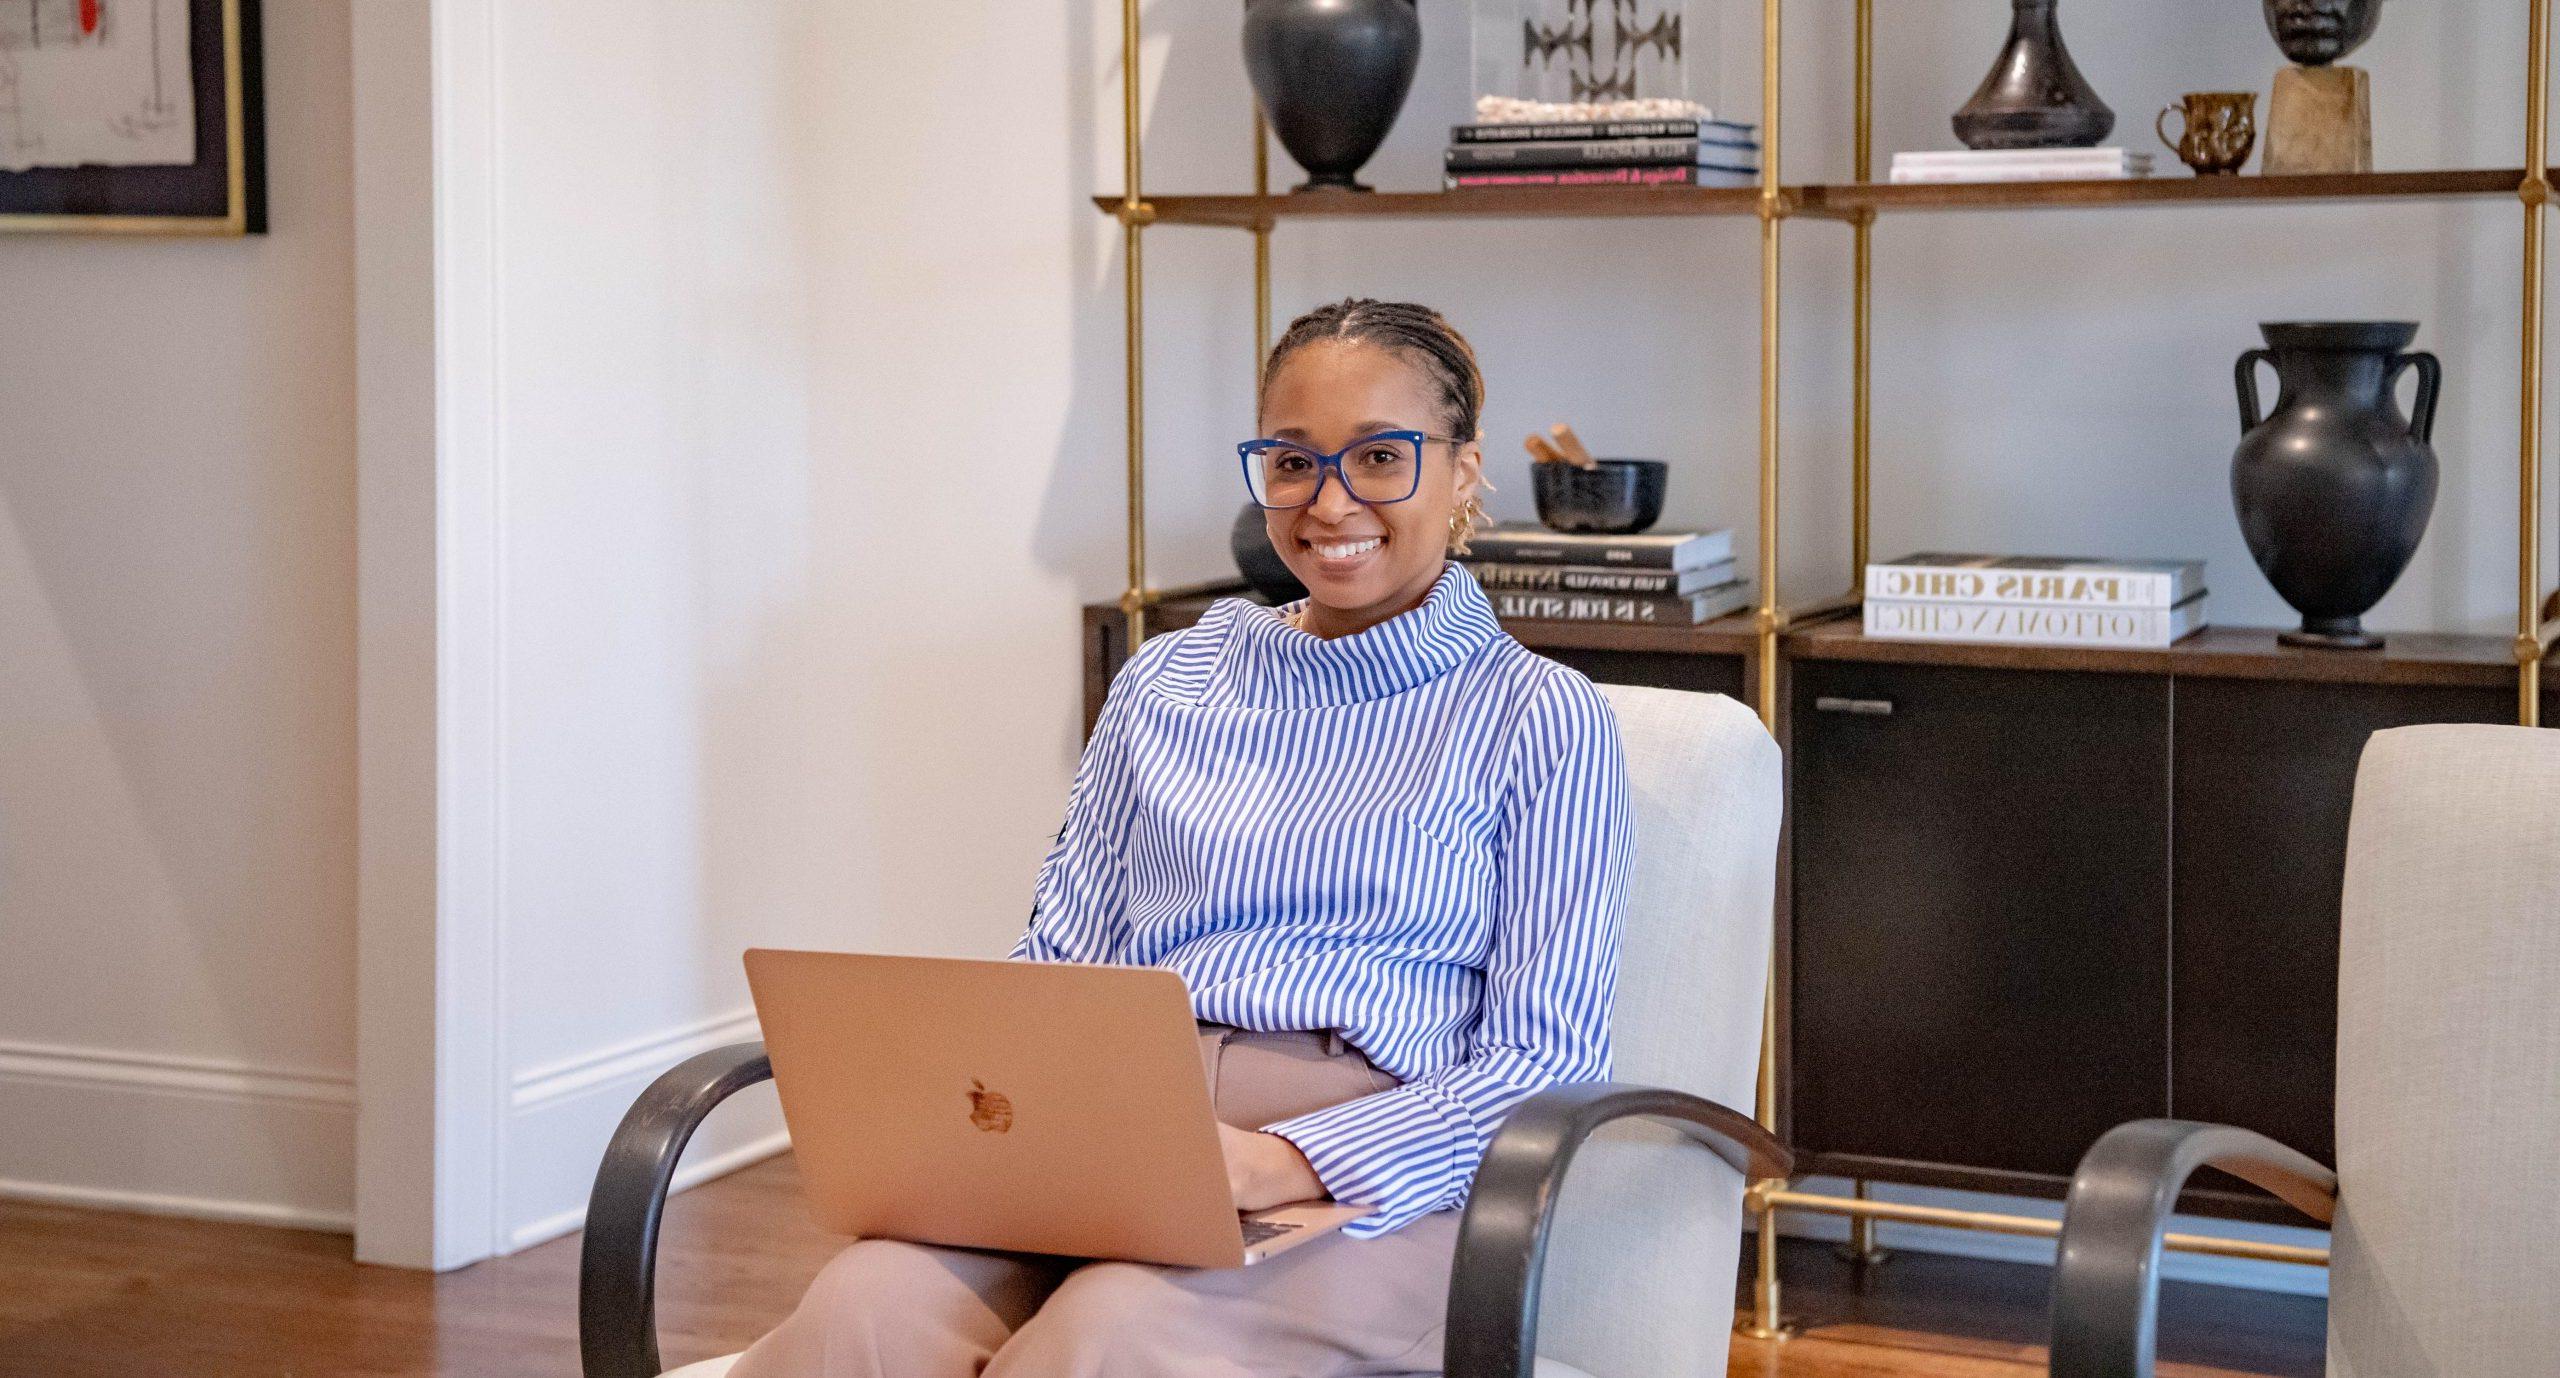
column 1620, row 498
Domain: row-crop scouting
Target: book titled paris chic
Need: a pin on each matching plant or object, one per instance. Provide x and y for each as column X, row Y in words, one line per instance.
column 2036, row 579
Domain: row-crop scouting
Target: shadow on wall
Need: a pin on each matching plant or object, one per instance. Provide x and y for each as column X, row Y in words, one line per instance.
column 177, row 644
column 888, row 713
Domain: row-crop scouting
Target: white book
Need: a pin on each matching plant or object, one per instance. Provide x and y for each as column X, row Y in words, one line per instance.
column 2064, row 580
column 1994, row 157
column 1936, row 176
column 2029, row 624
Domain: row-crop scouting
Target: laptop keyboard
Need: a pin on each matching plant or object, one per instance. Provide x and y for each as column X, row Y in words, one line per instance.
column 1257, row 1231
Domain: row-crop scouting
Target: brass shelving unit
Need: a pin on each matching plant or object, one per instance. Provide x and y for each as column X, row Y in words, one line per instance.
column 1773, row 632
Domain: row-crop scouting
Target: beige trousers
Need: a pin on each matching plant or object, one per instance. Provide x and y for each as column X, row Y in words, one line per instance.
column 1334, row 1306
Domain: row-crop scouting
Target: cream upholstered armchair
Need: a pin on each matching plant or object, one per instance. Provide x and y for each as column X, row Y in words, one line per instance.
column 2445, row 1205
column 1630, row 1258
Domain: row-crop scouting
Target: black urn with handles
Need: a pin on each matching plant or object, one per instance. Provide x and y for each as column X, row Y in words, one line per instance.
column 2334, row 486
column 1331, row 75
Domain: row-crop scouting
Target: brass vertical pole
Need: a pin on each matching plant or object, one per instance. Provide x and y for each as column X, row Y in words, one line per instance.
column 1764, row 1322
column 1862, row 305
column 1261, row 246
column 1134, row 214
column 1861, row 1248
column 2536, row 193
column 1772, row 211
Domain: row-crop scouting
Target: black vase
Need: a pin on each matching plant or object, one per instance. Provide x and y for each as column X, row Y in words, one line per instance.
column 1331, row 75
column 1249, row 540
column 2034, row 96
column 2334, row 487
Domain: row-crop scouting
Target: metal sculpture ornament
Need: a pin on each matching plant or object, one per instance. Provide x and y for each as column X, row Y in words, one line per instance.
column 1575, row 43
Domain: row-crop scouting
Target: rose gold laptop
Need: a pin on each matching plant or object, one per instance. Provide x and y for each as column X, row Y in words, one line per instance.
column 1046, row 1107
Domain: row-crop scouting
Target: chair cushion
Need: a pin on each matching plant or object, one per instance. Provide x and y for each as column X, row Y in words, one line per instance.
column 2448, row 1040
column 713, row 1368
column 1648, row 1229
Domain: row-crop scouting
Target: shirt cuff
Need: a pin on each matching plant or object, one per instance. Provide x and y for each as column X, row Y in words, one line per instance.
column 1402, row 1151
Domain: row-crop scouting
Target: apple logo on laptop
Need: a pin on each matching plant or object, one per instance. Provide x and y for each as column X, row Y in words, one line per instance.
column 989, row 1110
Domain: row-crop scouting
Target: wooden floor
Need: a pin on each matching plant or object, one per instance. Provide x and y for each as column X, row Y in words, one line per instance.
column 87, row 1294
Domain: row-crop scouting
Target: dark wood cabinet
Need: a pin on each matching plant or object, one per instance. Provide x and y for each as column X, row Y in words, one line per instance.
column 2265, row 772
column 1980, row 938
column 1705, row 674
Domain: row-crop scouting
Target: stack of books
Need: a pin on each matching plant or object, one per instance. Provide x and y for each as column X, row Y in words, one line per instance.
column 2034, row 600
column 2021, row 165
column 1684, row 152
column 1655, row 578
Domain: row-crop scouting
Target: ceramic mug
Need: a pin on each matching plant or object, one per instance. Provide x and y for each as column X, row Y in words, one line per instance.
column 2216, row 130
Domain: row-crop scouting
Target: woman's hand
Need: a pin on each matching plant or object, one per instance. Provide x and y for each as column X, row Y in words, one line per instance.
column 1265, row 1170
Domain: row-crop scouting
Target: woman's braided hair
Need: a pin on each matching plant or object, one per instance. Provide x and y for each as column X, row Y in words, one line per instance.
column 1420, row 334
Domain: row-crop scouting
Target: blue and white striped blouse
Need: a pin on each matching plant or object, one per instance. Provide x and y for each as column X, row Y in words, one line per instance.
column 1418, row 835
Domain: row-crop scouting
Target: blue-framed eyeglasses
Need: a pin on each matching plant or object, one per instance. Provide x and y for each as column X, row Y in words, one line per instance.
column 1381, row 468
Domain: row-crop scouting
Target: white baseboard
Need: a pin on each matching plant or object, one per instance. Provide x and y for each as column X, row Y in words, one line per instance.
column 2289, row 1278
column 237, row 1212
column 635, row 1059
column 174, row 1135
column 696, row 1171
column 561, row 1115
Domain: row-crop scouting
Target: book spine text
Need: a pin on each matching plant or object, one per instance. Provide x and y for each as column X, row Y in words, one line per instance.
column 1575, row 579
column 1597, row 129
column 1590, row 177
column 1594, row 607
column 1599, row 152
column 2089, row 588
column 2044, row 626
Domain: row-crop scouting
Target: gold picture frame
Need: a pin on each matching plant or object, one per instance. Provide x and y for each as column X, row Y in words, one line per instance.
column 222, row 193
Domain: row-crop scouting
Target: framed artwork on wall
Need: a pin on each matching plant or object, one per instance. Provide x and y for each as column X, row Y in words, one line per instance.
column 131, row 117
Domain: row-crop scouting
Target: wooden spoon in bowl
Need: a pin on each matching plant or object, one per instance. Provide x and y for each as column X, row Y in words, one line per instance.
column 1571, row 445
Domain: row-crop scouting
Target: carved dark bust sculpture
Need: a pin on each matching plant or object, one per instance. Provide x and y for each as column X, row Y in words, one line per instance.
column 2316, row 33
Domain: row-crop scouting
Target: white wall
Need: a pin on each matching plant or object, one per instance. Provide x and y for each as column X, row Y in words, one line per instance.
column 177, row 711
column 802, row 452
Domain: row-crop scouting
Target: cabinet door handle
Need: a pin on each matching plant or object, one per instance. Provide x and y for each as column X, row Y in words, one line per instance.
column 1866, row 708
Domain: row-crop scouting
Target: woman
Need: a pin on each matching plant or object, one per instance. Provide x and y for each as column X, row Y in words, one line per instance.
column 1385, row 845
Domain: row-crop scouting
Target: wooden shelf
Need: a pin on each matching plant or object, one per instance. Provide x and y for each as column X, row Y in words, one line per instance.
column 1475, row 203
column 1725, row 636
column 1825, row 201
column 2427, row 658
column 2413, row 658
column 2174, row 189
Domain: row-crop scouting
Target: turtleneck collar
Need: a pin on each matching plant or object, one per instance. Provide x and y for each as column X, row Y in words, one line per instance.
column 1269, row 664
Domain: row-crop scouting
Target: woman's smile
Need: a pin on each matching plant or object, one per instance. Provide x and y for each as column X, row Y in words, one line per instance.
column 1342, row 555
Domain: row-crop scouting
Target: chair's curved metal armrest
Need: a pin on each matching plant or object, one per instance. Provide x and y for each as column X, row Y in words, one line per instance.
column 618, row 1264
column 2106, row 1280
column 1502, row 1240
